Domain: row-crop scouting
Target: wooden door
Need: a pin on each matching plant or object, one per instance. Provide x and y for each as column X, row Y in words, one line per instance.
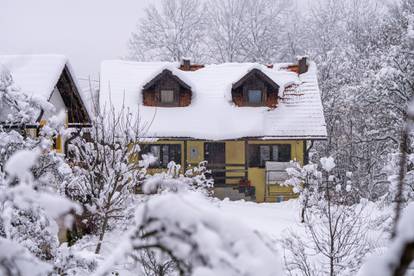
column 215, row 155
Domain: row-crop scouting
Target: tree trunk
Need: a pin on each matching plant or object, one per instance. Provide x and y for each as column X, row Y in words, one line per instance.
column 401, row 178
column 406, row 258
column 302, row 215
column 102, row 234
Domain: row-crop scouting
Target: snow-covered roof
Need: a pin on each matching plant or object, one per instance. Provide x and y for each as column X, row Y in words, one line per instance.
column 35, row 75
column 212, row 113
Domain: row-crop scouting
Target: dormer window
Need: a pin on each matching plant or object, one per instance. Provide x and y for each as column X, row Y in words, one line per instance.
column 255, row 89
column 166, row 90
column 254, row 97
column 167, row 96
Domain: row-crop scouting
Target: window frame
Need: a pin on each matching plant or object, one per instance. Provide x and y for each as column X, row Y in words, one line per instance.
column 256, row 161
column 160, row 163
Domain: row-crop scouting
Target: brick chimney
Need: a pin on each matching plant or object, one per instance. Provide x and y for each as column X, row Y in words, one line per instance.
column 303, row 64
column 185, row 64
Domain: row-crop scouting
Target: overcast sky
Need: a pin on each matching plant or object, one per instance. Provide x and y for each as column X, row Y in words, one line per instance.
column 86, row 31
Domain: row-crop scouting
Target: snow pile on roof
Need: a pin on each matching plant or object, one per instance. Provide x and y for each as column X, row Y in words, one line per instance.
column 35, row 75
column 212, row 114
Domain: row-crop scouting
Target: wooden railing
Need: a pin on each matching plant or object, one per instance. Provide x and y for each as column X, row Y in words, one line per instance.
column 227, row 173
column 276, row 195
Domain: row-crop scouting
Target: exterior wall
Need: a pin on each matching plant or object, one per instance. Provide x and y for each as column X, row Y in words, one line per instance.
column 195, row 152
column 170, row 142
column 257, row 175
column 152, row 96
column 235, row 157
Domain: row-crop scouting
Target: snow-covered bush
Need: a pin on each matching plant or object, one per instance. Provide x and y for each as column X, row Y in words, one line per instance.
column 313, row 185
column 173, row 180
column 197, row 237
column 27, row 217
column 107, row 171
column 17, row 108
column 17, row 260
column 29, row 171
column 74, row 261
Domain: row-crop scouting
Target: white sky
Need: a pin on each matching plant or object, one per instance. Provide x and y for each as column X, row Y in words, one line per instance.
column 86, row 31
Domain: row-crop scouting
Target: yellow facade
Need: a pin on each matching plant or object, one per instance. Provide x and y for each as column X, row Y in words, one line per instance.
column 192, row 152
column 257, row 175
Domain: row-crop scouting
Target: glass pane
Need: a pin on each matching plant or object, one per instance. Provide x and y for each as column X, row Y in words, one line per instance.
column 155, row 151
column 165, row 157
column 167, row 96
column 175, row 153
column 264, row 155
column 254, row 160
column 284, row 153
column 254, row 96
column 275, row 153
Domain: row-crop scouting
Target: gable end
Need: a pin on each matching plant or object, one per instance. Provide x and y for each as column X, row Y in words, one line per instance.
column 77, row 113
column 166, row 90
column 255, row 81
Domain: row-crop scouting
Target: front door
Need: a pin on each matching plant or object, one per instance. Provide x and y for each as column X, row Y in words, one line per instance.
column 215, row 155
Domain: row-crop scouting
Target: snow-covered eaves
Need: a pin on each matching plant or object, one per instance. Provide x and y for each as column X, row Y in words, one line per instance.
column 212, row 115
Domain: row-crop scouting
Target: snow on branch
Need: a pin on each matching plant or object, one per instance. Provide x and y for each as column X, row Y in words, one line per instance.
column 199, row 238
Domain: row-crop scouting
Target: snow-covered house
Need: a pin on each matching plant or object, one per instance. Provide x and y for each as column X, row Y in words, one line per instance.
column 46, row 78
column 246, row 119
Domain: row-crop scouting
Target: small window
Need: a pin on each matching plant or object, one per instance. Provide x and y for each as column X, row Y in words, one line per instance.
column 254, row 97
column 167, row 96
column 164, row 153
column 259, row 154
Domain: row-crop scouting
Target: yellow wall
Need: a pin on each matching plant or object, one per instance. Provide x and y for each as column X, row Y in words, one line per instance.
column 195, row 152
column 235, row 154
column 257, row 175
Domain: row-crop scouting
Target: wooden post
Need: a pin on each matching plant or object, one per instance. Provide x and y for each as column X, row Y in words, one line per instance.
column 185, row 156
column 303, row 65
column 246, row 159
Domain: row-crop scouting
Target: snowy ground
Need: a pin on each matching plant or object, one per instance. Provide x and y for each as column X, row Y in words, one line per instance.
column 273, row 219
column 274, row 222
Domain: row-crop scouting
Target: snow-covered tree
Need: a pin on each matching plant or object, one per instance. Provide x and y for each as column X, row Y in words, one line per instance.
column 169, row 33
column 335, row 230
column 23, row 219
column 197, row 237
column 28, row 230
column 107, row 170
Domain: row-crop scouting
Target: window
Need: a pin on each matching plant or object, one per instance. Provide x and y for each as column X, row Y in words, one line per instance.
column 167, row 96
column 164, row 153
column 254, row 97
column 259, row 154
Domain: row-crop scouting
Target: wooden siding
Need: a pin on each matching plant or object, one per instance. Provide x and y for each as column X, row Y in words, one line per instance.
column 166, row 81
column 255, row 80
